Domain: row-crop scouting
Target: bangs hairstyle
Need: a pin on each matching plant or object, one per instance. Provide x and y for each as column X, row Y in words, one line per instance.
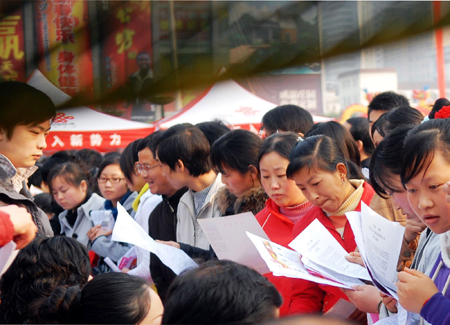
column 386, row 160
column 237, row 149
column 151, row 142
column 396, row 117
column 281, row 143
column 421, row 145
column 190, row 146
column 71, row 173
column 112, row 160
column 317, row 151
column 22, row 104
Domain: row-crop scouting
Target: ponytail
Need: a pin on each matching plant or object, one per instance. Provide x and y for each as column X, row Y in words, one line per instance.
column 61, row 307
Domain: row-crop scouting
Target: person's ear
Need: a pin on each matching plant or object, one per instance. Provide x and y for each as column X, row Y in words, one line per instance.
column 342, row 171
column 83, row 186
column 253, row 172
column 360, row 145
column 179, row 166
column 301, row 134
column 2, row 132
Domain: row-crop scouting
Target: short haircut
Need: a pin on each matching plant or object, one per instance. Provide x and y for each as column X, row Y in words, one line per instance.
column 71, row 173
column 110, row 298
column 318, row 151
column 22, row 104
column 421, row 144
column 396, row 117
column 386, row 161
column 287, row 118
column 190, row 146
column 342, row 137
column 57, row 158
column 238, row 149
column 386, row 101
column 213, row 130
column 44, row 202
column 151, row 142
column 359, row 129
column 112, row 160
column 143, row 53
column 281, row 143
column 438, row 104
column 220, row 292
column 128, row 158
column 40, row 267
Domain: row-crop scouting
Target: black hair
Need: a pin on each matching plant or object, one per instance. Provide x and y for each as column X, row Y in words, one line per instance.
column 281, row 143
column 220, row 292
column 36, row 178
column 110, row 298
column 403, row 115
column 386, row 101
column 128, row 158
column 386, row 160
column 190, row 146
column 143, row 53
column 421, row 144
column 213, row 130
column 72, row 173
column 90, row 160
column 151, row 142
column 342, row 137
column 359, row 129
column 238, row 149
column 318, row 151
column 44, row 202
column 438, row 104
column 40, row 267
column 111, row 154
column 22, row 104
column 57, row 158
column 112, row 160
column 287, row 118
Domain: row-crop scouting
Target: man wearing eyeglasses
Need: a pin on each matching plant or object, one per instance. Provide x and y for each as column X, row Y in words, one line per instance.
column 163, row 219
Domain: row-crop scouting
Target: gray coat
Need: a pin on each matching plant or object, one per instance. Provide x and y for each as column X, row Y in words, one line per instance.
column 9, row 196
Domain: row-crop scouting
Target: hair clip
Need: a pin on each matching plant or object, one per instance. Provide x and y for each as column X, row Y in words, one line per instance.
column 300, row 139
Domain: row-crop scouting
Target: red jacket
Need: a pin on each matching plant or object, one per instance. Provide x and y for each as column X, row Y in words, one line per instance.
column 6, row 229
column 310, row 297
column 279, row 230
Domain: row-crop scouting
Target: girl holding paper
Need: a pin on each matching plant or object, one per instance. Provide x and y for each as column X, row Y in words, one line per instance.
column 286, row 204
column 425, row 175
column 114, row 189
column 319, row 169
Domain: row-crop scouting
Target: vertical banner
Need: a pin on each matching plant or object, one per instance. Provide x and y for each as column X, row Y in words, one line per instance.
column 12, row 55
column 64, row 44
column 126, row 35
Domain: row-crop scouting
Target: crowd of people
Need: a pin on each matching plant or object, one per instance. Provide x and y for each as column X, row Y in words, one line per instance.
column 292, row 173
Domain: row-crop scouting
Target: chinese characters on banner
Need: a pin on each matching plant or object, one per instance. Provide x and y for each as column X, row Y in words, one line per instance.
column 125, row 31
column 64, row 44
column 102, row 140
column 12, row 56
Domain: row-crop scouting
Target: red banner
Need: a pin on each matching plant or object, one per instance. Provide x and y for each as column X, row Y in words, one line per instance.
column 12, row 55
column 126, row 31
column 64, row 44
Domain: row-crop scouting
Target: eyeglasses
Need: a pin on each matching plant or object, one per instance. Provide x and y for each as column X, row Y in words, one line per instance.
column 114, row 180
column 144, row 169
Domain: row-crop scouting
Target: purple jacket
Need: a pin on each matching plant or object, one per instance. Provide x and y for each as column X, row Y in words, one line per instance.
column 437, row 310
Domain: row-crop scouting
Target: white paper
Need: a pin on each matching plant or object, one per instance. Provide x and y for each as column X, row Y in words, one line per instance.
column 286, row 262
column 127, row 259
column 127, row 230
column 404, row 316
column 229, row 240
column 318, row 245
column 103, row 218
column 111, row 264
column 393, row 320
column 7, row 256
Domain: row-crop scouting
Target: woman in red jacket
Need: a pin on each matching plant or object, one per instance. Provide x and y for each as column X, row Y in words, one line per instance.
column 286, row 204
column 319, row 169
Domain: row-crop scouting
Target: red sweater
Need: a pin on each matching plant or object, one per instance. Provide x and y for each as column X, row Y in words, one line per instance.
column 279, row 230
column 310, row 297
column 6, row 229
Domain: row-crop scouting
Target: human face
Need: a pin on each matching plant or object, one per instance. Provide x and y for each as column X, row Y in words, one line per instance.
column 137, row 182
column 236, row 182
column 143, row 62
column 155, row 313
column 153, row 174
column 277, row 186
column 426, row 196
column 322, row 188
column 67, row 195
column 111, row 189
column 26, row 144
column 399, row 197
